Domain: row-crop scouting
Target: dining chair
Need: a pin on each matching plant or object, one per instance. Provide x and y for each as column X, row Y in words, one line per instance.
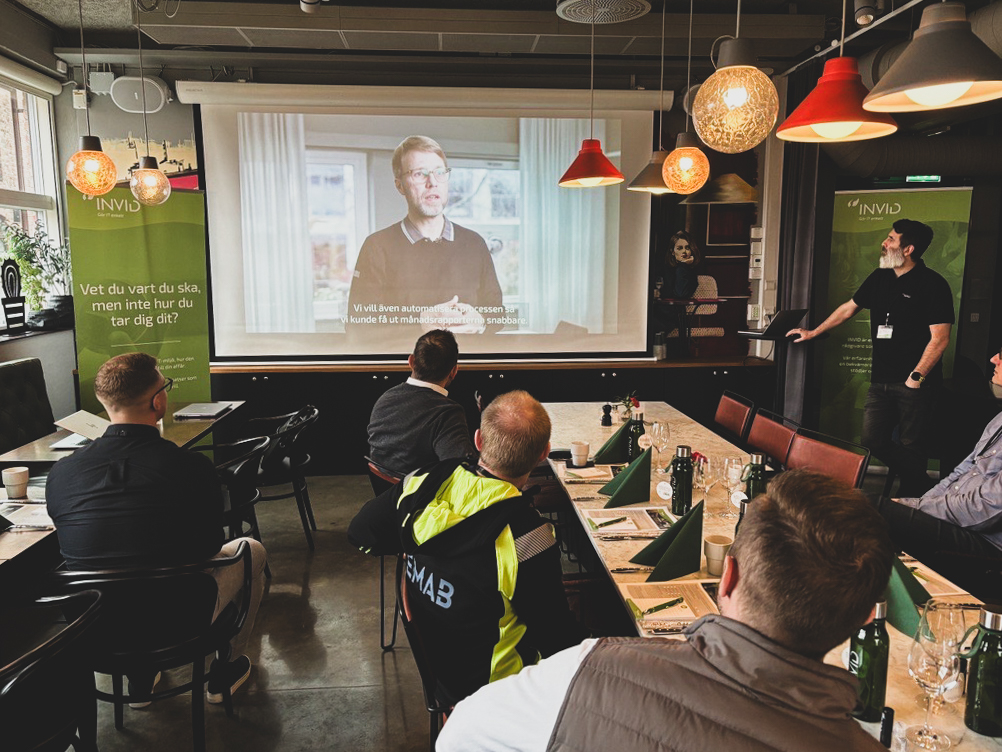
column 828, row 455
column 25, row 411
column 772, row 434
column 53, row 677
column 382, row 480
column 734, row 414
column 155, row 619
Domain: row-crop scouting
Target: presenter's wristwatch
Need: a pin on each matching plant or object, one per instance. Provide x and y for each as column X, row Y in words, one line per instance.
column 916, row 376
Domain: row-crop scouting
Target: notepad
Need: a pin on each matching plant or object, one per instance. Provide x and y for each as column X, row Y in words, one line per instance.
column 201, row 411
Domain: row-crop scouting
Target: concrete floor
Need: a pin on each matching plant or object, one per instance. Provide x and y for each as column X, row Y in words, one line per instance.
column 320, row 680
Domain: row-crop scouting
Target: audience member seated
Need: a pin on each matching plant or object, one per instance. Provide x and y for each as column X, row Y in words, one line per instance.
column 415, row 423
column 133, row 499
column 962, row 514
column 483, row 570
column 808, row 564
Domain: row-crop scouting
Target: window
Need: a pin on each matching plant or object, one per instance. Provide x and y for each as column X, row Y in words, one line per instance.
column 338, row 211
column 27, row 161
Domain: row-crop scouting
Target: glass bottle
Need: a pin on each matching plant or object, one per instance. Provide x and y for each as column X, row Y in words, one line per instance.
column 868, row 652
column 984, row 675
column 681, row 480
column 634, row 431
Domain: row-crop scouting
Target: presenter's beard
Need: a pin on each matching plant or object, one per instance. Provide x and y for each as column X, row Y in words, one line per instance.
column 892, row 259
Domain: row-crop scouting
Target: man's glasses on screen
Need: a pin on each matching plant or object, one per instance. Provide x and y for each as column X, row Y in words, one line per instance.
column 441, row 175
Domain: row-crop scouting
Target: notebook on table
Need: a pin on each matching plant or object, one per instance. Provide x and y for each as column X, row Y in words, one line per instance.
column 201, row 411
column 781, row 323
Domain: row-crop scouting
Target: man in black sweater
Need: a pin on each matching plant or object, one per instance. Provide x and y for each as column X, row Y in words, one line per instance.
column 415, row 423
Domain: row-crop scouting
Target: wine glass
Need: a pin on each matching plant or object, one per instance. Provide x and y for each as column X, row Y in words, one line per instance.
column 660, row 435
column 934, row 664
column 706, row 475
column 733, row 469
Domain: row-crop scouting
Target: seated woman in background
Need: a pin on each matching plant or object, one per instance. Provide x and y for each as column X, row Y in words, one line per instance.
column 681, row 266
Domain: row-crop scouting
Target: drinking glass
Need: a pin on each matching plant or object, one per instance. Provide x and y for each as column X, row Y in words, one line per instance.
column 732, row 470
column 934, row 664
column 707, row 474
column 660, row 435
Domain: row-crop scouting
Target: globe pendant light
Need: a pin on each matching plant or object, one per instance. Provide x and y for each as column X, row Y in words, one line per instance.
column 686, row 169
column 833, row 111
column 90, row 170
column 148, row 183
column 591, row 168
column 945, row 65
column 651, row 178
column 737, row 106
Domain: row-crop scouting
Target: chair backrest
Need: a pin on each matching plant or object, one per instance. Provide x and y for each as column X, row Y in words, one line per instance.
column 706, row 287
column 838, row 459
column 288, row 434
column 381, row 480
column 154, row 613
column 47, row 693
column 734, row 414
column 772, row 434
column 25, row 412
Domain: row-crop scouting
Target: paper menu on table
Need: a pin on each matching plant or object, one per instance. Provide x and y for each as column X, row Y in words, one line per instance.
column 588, row 474
column 27, row 514
column 85, row 423
column 647, row 595
column 637, row 520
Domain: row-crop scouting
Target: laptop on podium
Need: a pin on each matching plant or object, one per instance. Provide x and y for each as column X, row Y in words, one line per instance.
column 781, row 323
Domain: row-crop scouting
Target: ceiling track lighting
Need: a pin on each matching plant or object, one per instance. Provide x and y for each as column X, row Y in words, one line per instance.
column 945, row 65
column 686, row 169
column 737, row 106
column 591, row 168
column 833, row 111
column 651, row 178
column 148, row 183
column 90, row 170
column 865, row 12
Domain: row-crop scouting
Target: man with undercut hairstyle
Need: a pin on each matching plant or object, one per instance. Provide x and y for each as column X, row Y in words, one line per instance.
column 807, row 566
column 483, row 572
column 133, row 499
column 415, row 423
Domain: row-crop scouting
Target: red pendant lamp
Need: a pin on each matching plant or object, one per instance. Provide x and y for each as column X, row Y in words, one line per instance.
column 591, row 168
column 833, row 112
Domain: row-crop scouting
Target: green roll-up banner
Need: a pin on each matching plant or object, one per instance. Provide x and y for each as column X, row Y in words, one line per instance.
column 139, row 284
column 861, row 222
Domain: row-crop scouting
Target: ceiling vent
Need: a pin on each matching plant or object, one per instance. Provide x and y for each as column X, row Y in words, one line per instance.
column 602, row 11
column 127, row 93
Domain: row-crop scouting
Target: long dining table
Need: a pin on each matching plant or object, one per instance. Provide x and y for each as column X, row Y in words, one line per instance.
column 581, row 421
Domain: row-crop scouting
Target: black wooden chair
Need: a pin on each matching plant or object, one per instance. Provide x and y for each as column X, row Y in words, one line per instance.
column 25, row 412
column 47, row 695
column 382, row 480
column 156, row 619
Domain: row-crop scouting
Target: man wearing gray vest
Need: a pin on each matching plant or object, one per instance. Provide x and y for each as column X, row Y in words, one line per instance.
column 809, row 563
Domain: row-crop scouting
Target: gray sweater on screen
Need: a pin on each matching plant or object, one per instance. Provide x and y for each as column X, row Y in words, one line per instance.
column 414, row 426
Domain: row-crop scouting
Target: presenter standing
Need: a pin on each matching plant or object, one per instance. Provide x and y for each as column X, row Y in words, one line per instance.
column 911, row 314
column 425, row 271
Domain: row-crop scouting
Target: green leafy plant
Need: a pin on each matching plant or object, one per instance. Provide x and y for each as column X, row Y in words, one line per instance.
column 45, row 265
column 629, row 401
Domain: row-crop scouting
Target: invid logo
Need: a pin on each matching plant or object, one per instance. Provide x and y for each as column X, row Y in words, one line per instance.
column 116, row 205
column 875, row 209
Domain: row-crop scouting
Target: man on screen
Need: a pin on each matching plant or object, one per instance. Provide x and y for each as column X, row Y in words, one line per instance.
column 425, row 271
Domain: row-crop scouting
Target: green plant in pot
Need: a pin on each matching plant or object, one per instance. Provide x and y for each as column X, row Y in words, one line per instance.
column 45, row 275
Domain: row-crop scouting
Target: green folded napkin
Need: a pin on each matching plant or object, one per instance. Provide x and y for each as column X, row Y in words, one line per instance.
column 616, row 449
column 677, row 551
column 904, row 593
column 632, row 485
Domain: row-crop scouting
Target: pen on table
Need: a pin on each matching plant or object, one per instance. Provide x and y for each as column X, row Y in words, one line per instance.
column 663, row 606
column 612, row 521
column 28, row 528
column 625, row 570
column 886, row 726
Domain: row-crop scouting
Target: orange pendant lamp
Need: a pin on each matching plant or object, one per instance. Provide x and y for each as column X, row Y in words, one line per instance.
column 591, row 168
column 833, row 112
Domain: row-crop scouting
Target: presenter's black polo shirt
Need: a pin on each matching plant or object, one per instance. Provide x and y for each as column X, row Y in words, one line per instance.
column 910, row 304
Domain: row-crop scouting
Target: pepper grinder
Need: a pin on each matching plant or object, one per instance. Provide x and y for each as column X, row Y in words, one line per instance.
column 606, row 415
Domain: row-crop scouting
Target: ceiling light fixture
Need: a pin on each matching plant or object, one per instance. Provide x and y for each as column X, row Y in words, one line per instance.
column 591, row 168
column 651, row 178
column 686, row 169
column 833, row 111
column 865, row 12
column 90, row 170
column 737, row 106
column 149, row 184
column 945, row 65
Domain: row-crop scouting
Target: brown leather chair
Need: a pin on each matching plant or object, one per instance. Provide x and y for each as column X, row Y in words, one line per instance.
column 772, row 434
column 734, row 414
column 841, row 460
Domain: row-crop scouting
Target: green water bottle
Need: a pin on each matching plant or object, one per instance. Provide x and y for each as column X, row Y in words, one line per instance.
column 868, row 653
column 634, row 431
column 681, row 480
column 984, row 675
column 754, row 476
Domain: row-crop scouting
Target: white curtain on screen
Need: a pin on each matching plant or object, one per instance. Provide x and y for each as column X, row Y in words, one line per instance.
column 563, row 243
column 278, row 255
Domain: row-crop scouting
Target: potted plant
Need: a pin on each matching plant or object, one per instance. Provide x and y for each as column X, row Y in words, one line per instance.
column 45, row 275
column 627, row 404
